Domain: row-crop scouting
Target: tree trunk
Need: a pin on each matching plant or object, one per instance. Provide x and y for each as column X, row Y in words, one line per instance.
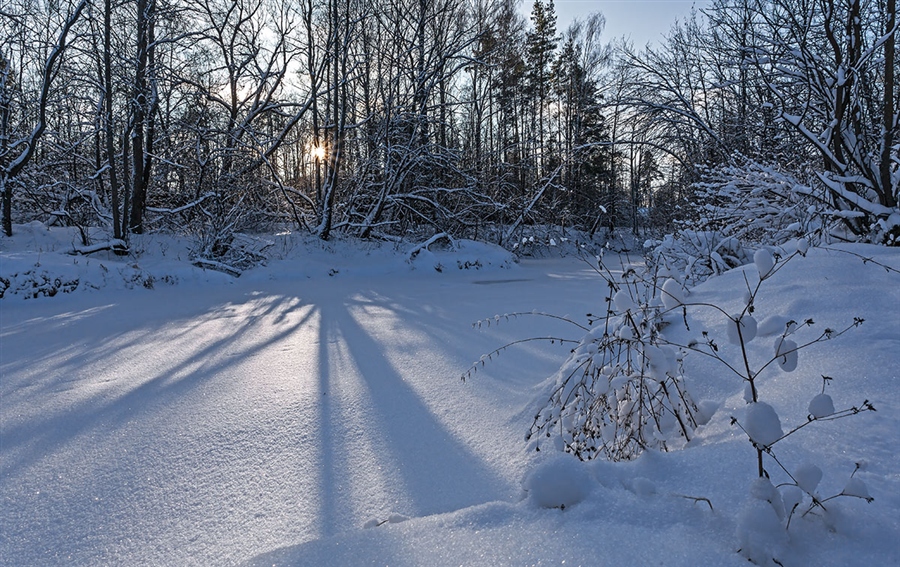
column 108, row 126
column 889, row 198
column 143, row 125
column 339, row 115
column 4, row 144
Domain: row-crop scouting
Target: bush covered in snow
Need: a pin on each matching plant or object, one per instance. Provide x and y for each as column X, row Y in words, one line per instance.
column 760, row 204
column 740, row 208
column 698, row 254
column 622, row 391
column 769, row 509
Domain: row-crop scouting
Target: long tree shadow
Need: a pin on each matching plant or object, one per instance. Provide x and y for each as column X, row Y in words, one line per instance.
column 33, row 438
column 328, row 517
column 65, row 343
column 410, row 459
column 433, row 320
column 438, row 472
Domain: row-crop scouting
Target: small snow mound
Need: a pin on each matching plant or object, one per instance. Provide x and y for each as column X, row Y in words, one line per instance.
column 392, row 519
column 606, row 473
column 821, row 406
column 643, row 487
column 559, row 483
column 748, row 329
column 764, row 261
column 808, row 477
column 672, row 294
column 762, row 424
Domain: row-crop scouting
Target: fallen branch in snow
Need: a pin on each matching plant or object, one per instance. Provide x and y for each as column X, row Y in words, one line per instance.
column 116, row 245
column 424, row 246
column 217, row 266
column 252, row 245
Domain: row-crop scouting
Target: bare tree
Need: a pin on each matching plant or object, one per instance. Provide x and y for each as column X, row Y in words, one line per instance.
column 15, row 154
column 829, row 68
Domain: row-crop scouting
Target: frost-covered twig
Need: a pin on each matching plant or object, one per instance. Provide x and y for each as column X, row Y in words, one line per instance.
column 865, row 259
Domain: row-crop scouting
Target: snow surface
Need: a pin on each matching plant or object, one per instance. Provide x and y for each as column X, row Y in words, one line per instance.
column 310, row 412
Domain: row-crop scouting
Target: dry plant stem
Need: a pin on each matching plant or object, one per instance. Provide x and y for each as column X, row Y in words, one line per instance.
column 684, row 429
column 474, row 368
column 749, row 377
column 508, row 316
column 697, row 499
column 865, row 259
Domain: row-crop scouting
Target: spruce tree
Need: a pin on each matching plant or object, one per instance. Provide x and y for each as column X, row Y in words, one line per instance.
column 540, row 45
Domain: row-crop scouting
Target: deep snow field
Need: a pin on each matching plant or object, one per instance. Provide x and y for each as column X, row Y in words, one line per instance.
column 311, row 412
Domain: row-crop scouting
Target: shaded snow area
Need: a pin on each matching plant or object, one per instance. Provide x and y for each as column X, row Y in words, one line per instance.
column 311, row 412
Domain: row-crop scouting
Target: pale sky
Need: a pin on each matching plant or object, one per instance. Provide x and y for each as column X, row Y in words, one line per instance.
column 641, row 20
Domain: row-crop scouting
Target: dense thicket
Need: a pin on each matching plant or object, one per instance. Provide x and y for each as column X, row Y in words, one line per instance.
column 378, row 118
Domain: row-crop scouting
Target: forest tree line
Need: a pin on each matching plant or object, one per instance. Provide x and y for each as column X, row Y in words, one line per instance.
column 462, row 116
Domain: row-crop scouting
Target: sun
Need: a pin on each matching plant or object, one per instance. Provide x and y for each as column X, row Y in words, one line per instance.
column 318, row 152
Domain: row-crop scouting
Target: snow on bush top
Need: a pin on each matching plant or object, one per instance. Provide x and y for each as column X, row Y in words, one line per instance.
column 762, row 424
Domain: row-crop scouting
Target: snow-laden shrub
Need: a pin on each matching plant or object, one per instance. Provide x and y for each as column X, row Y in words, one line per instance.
column 759, row 204
column 769, row 510
column 698, row 254
column 741, row 207
column 230, row 252
column 34, row 283
column 621, row 390
column 542, row 240
column 887, row 230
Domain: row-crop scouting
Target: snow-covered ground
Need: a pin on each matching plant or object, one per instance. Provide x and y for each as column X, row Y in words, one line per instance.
column 310, row 412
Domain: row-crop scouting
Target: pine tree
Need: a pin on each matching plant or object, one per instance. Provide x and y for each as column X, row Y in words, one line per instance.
column 541, row 44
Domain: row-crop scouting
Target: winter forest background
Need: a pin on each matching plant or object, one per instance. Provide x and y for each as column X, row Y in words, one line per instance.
column 251, row 236
column 389, row 118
